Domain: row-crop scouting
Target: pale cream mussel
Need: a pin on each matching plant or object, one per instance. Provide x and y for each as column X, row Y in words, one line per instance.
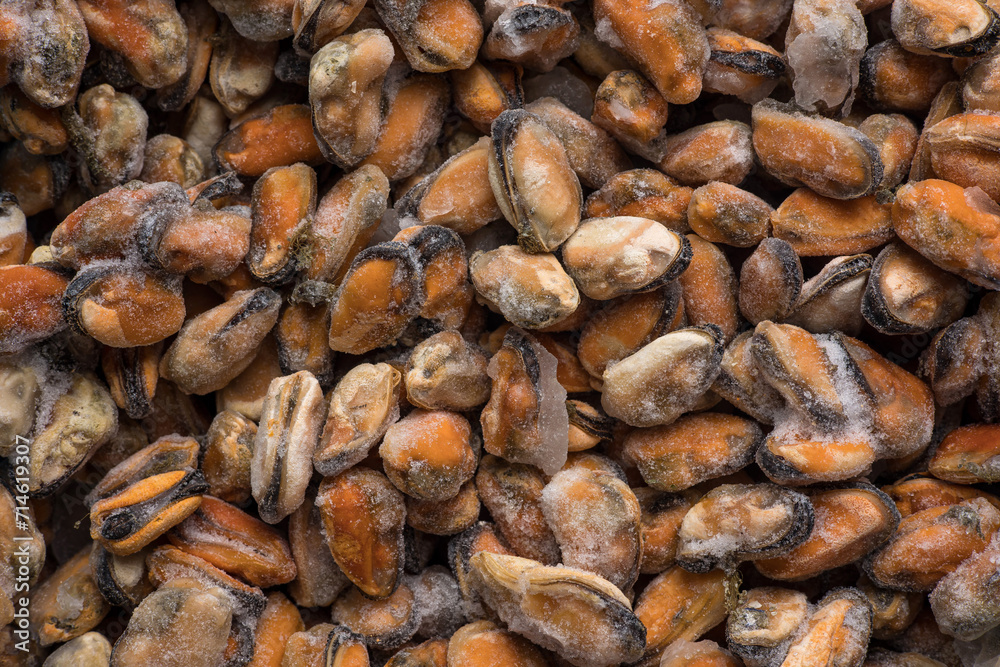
column 67, row 603
column 535, row 36
column 741, row 384
column 20, row 392
column 906, row 294
column 961, row 29
column 609, row 257
column 347, row 96
column 579, row 615
column 831, row 300
column 22, row 546
column 241, row 69
column 665, row 378
column 596, row 520
column 763, row 625
column 446, row 371
column 892, row 611
column 831, row 158
column 378, row 297
column 362, row 407
column 530, row 291
column 132, row 374
column 82, row 417
column 534, row 184
column 167, row 563
column 123, row 306
column 625, row 324
column 217, row 345
column 109, row 133
column 91, row 649
column 739, row 522
column 837, row 632
column 183, row 623
column 525, row 420
column 122, row 580
column 966, row 602
column 316, row 22
column 592, row 153
column 771, row 281
column 289, row 430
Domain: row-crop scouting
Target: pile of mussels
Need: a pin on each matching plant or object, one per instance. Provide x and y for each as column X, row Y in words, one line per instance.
column 462, row 333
